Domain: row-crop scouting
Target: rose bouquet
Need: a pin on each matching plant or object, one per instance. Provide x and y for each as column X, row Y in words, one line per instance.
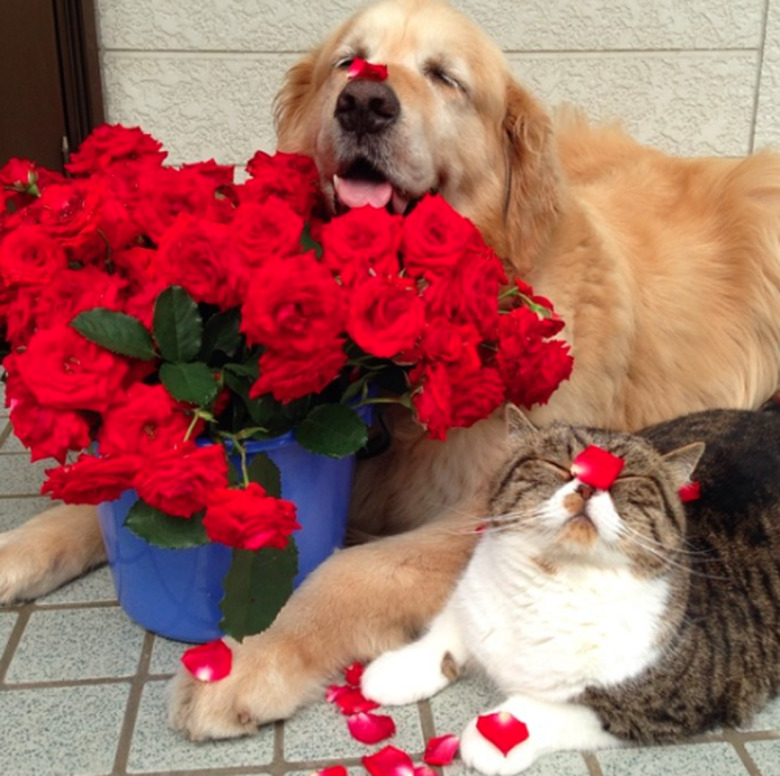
column 149, row 310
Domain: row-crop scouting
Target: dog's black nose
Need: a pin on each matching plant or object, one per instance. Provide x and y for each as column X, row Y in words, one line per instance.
column 367, row 107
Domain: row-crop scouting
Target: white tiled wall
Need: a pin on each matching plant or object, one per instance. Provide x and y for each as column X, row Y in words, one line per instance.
column 693, row 76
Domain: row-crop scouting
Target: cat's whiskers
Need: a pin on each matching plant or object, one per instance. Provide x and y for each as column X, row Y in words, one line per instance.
column 663, row 554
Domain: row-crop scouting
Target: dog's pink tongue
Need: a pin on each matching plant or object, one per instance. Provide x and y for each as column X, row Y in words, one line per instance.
column 357, row 193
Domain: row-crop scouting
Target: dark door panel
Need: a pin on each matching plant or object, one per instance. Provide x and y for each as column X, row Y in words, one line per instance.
column 50, row 94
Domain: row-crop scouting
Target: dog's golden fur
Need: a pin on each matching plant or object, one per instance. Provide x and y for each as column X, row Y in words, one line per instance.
column 666, row 270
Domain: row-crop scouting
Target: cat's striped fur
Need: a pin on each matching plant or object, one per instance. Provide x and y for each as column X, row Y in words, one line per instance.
column 616, row 615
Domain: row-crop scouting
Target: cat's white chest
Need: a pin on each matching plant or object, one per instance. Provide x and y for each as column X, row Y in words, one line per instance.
column 553, row 634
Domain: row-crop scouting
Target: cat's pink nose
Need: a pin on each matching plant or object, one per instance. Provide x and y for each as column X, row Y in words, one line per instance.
column 586, row 491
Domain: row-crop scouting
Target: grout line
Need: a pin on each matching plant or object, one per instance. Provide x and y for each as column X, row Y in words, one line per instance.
column 278, row 766
column 427, row 724
column 759, row 73
column 137, row 685
column 747, row 760
column 55, row 684
column 250, row 53
column 52, row 607
column 592, row 763
column 13, row 642
column 5, row 433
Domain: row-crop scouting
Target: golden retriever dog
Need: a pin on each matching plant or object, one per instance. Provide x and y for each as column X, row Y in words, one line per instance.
column 666, row 270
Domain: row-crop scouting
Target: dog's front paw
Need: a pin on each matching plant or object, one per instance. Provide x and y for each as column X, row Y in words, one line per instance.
column 266, row 682
column 404, row 675
column 483, row 756
column 47, row 551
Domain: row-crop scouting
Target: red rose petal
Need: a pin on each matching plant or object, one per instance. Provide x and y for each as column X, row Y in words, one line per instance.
column 370, row 728
column 503, row 730
column 691, row 491
column 353, row 674
column 362, row 69
column 335, row 691
column 333, row 770
column 424, row 770
column 597, row 467
column 209, row 662
column 441, row 750
column 389, row 762
column 354, row 702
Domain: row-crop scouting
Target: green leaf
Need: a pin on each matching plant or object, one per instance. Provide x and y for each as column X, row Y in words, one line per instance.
column 257, row 586
column 118, row 332
column 164, row 530
column 334, row 430
column 248, row 371
column 177, row 325
column 221, row 333
column 265, row 472
column 192, row 383
column 308, row 243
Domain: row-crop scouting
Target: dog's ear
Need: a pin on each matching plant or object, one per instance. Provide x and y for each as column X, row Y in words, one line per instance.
column 291, row 114
column 534, row 187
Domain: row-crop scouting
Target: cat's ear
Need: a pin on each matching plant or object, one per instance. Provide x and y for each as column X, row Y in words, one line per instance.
column 517, row 422
column 682, row 462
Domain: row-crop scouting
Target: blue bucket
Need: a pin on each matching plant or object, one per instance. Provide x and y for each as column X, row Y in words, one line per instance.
column 176, row 593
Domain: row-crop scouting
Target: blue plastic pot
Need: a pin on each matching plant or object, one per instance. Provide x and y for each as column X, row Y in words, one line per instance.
column 176, row 593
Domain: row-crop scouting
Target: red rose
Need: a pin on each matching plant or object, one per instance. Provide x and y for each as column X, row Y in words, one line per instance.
column 21, row 182
column 249, row 519
column 435, row 238
column 451, row 344
column 386, row 315
column 92, row 480
column 290, row 177
column 178, row 481
column 46, row 432
column 198, row 255
column 477, row 395
column 145, row 420
column 70, row 212
column 266, row 230
column 287, row 376
column 222, row 175
column 165, row 193
column 531, row 368
column 68, row 293
column 110, row 144
column 293, row 304
column 65, row 371
column 469, row 294
column 361, row 243
column 28, row 255
column 433, row 399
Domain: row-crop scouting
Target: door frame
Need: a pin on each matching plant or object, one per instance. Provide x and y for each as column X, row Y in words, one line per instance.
column 82, row 90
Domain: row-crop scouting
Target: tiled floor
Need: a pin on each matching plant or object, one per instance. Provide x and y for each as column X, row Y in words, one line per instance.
column 82, row 691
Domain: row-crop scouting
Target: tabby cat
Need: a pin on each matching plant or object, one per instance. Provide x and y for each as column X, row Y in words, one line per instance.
column 619, row 614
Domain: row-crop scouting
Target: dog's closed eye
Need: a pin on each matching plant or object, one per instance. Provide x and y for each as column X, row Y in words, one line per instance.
column 438, row 73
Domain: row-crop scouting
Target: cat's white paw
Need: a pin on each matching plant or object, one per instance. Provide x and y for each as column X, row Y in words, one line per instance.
column 478, row 753
column 552, row 727
column 404, row 675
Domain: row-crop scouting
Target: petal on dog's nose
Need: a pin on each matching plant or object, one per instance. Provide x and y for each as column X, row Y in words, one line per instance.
column 358, row 193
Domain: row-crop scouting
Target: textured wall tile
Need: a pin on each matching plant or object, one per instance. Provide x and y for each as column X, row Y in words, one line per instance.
column 218, row 25
column 198, row 107
column 273, row 25
column 690, row 103
column 536, row 25
column 768, row 118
